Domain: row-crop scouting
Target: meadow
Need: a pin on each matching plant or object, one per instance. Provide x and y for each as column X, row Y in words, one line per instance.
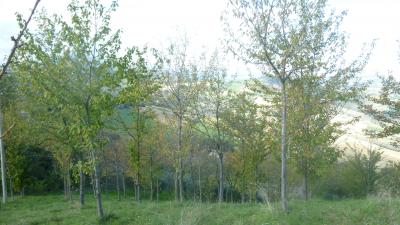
column 53, row 209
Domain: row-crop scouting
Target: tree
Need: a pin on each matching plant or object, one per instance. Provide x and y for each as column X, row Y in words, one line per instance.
column 71, row 62
column 210, row 106
column 287, row 38
column 367, row 167
column 248, row 123
column 179, row 77
column 315, row 104
column 24, row 25
column 385, row 108
column 138, row 84
column 154, row 141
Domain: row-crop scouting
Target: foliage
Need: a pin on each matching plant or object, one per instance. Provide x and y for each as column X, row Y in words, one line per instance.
column 32, row 169
column 389, row 181
column 355, row 177
column 385, row 108
column 252, row 130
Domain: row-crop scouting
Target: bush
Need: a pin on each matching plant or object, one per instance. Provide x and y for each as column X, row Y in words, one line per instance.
column 390, row 179
column 355, row 177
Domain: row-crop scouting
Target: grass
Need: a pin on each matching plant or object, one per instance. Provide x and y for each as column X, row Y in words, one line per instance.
column 53, row 209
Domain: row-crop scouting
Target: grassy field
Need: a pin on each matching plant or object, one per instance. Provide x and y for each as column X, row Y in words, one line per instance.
column 53, row 209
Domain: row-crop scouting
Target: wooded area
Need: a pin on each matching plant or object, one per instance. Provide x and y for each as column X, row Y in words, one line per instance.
column 82, row 115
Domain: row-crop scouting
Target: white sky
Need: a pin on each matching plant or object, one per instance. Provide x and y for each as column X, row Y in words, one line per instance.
column 154, row 22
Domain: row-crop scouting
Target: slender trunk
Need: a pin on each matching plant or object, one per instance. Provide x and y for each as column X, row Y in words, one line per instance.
column 11, row 188
column 231, row 196
column 243, row 177
column 158, row 189
column 97, row 187
column 69, row 184
column 137, row 192
column 151, row 191
column 180, row 153
column 284, row 199
column 267, row 192
column 93, row 186
column 306, row 106
column 306, row 180
column 181, row 180
column 226, row 194
column 116, row 174
column 151, row 177
column 65, row 185
column 138, row 139
column 200, row 198
column 134, row 189
column 3, row 160
column 220, row 156
column 192, row 174
column 117, row 186
column 221, row 178
column 81, row 187
column 250, row 196
column 123, row 182
column 106, row 181
column 176, row 184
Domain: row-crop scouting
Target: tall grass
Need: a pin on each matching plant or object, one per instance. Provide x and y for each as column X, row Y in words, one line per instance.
column 53, row 209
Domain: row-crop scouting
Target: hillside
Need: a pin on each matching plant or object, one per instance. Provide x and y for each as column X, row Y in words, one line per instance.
column 355, row 135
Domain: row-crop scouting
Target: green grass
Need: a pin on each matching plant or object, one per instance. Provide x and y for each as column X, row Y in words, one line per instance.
column 53, row 209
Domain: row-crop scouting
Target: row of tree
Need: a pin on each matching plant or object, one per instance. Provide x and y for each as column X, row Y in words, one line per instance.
column 167, row 118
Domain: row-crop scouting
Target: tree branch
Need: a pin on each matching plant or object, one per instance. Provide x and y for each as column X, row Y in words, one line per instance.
column 7, row 131
column 17, row 40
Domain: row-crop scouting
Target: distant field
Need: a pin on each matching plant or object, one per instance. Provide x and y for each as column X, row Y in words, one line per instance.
column 53, row 209
column 355, row 136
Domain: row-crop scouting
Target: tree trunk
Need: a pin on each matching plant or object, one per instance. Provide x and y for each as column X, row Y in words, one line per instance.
column 181, row 180
column 3, row 160
column 137, row 191
column 81, row 187
column 176, row 184
column 138, row 139
column 226, row 193
column 180, row 153
column 306, row 180
column 250, row 196
column 231, row 195
column 221, row 178
column 116, row 174
column 69, row 184
column 134, row 189
column 192, row 174
column 284, row 199
column 243, row 177
column 200, row 197
column 123, row 182
column 158, row 190
column 11, row 188
column 151, row 191
column 93, row 186
column 151, row 177
column 65, row 185
column 97, row 187
column 106, row 181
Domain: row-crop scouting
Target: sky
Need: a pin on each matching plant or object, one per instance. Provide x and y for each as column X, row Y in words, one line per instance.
column 156, row 22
